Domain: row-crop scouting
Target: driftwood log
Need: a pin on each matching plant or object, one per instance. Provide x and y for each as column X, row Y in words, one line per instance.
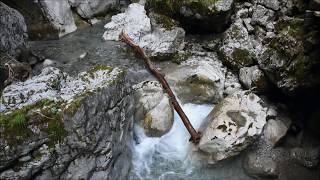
column 195, row 136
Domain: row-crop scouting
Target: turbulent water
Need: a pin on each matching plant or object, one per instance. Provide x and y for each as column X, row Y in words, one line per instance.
column 170, row 157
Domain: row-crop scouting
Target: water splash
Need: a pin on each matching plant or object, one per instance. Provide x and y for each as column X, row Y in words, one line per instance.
column 168, row 155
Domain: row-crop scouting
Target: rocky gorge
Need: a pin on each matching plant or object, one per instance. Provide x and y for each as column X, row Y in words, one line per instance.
column 76, row 103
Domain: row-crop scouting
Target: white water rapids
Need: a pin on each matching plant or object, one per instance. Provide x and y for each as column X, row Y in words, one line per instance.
column 168, row 157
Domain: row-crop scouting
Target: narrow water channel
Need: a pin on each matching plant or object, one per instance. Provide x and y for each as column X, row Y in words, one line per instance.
column 171, row 156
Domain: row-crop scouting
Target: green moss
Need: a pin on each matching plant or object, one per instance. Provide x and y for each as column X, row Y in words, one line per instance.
column 242, row 57
column 74, row 106
column 165, row 21
column 55, row 84
column 180, row 57
column 94, row 69
column 43, row 114
column 147, row 121
column 292, row 26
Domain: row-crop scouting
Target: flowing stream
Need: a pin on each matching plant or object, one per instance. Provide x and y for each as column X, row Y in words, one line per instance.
column 167, row 158
column 170, row 157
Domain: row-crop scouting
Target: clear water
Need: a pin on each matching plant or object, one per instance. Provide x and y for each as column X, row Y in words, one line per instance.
column 172, row 156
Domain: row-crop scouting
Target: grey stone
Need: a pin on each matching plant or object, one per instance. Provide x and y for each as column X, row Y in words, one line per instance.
column 154, row 111
column 253, row 77
column 274, row 131
column 13, row 31
column 233, row 125
column 92, row 128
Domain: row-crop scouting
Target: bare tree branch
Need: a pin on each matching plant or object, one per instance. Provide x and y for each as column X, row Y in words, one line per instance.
column 195, row 136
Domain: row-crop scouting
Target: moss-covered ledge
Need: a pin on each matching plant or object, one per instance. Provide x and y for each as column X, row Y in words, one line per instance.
column 30, row 111
column 45, row 128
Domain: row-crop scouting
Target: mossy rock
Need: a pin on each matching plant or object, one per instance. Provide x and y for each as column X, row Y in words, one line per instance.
column 195, row 15
column 45, row 115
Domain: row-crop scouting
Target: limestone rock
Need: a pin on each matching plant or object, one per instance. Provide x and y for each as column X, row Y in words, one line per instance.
column 13, row 31
column 272, row 4
column 153, row 110
column 233, row 125
column 199, row 14
column 262, row 15
column 133, row 21
column 85, row 120
column 159, row 42
column 238, row 49
column 198, row 80
column 253, row 77
column 274, row 131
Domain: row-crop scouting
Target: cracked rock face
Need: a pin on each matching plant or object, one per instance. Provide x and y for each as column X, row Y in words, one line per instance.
column 233, row 125
column 158, row 42
column 67, row 128
column 153, row 109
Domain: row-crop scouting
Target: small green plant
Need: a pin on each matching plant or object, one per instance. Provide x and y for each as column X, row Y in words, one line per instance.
column 55, row 84
column 18, row 121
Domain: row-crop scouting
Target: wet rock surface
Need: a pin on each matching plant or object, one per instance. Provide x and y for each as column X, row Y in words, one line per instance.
column 154, row 111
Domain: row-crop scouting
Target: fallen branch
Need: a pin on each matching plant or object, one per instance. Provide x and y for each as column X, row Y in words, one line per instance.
column 195, row 136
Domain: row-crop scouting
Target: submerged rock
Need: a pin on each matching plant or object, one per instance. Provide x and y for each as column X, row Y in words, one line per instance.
column 54, row 126
column 158, row 41
column 196, row 16
column 233, row 125
column 154, row 111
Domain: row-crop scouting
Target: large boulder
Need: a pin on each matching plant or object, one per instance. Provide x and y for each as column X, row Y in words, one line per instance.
column 13, row 31
column 160, row 42
column 233, row 125
column 194, row 15
column 199, row 80
column 54, row 126
column 46, row 18
column 154, row 111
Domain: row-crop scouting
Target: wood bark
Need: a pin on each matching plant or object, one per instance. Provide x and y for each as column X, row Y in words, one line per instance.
column 195, row 136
